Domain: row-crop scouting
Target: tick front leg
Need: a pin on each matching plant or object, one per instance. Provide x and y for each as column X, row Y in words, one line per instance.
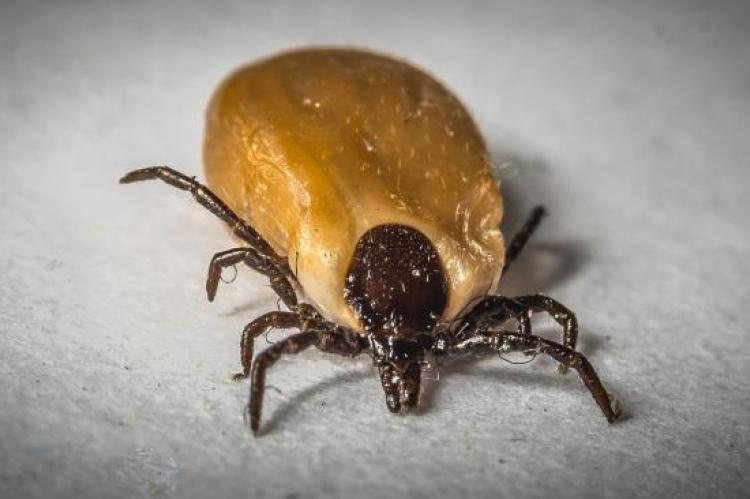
column 279, row 282
column 570, row 358
column 271, row 320
column 514, row 342
column 325, row 341
column 292, row 345
column 492, row 312
column 559, row 312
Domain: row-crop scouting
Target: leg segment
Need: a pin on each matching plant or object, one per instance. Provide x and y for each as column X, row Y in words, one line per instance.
column 559, row 312
column 219, row 262
column 493, row 311
column 325, row 340
column 510, row 342
column 279, row 283
column 263, row 254
column 522, row 237
column 279, row 320
column 567, row 357
column 208, row 200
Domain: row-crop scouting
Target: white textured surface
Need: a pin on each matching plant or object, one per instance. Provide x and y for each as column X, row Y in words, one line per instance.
column 628, row 120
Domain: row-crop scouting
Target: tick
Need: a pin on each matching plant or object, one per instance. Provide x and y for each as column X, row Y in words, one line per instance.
column 360, row 186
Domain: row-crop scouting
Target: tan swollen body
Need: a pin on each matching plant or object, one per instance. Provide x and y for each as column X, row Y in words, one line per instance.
column 315, row 147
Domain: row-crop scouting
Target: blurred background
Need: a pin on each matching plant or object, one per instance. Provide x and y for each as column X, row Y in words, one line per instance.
column 628, row 120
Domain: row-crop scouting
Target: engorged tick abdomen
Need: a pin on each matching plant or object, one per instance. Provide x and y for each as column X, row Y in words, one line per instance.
column 316, row 147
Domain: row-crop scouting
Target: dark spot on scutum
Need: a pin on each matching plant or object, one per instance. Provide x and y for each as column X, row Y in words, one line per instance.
column 395, row 280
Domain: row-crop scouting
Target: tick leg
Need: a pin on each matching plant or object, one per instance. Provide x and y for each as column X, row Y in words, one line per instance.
column 568, row 357
column 491, row 312
column 208, row 200
column 560, row 313
column 271, row 320
column 292, row 345
column 510, row 342
column 325, row 340
column 522, row 236
column 279, row 283
column 219, row 262
column 264, row 258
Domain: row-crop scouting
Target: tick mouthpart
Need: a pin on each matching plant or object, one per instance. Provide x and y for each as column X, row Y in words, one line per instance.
column 401, row 385
column 399, row 361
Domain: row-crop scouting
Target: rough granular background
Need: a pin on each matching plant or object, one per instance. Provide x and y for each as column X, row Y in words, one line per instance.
column 629, row 120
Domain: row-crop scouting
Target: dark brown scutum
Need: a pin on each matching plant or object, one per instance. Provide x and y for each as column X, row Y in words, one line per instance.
column 396, row 280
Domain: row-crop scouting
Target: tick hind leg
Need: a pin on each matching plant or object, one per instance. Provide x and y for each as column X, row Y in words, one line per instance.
column 208, row 200
column 325, row 341
column 266, row 322
column 519, row 241
column 559, row 312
